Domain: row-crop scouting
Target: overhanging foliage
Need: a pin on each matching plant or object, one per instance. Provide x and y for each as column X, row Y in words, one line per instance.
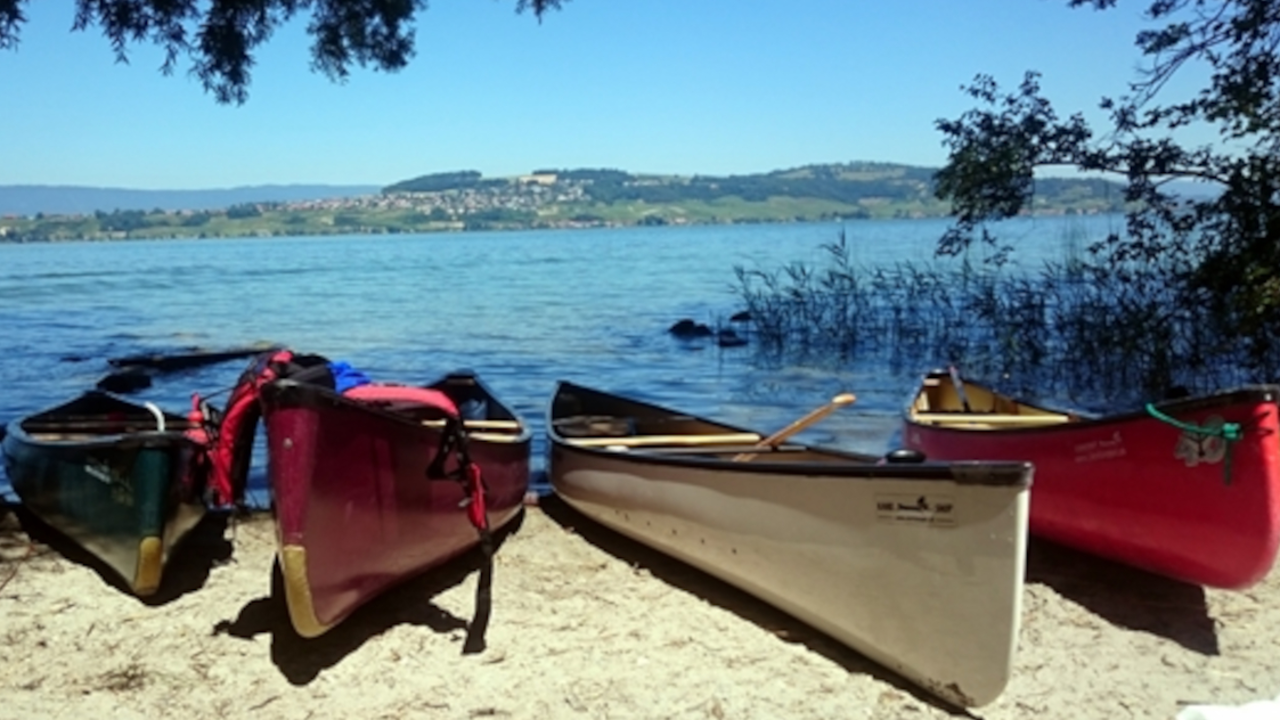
column 1221, row 250
column 221, row 37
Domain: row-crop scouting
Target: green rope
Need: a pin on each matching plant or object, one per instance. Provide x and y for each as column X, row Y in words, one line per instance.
column 1229, row 431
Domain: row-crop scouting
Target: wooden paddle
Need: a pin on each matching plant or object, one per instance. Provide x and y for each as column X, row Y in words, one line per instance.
column 814, row 416
column 958, row 384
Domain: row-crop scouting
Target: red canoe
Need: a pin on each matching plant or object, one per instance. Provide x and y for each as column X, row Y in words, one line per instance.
column 1187, row 488
column 379, row 484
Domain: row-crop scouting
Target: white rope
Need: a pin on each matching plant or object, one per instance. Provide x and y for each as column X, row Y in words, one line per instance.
column 159, row 415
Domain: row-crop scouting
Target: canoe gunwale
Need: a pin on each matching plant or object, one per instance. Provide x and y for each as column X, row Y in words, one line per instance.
column 311, row 394
column 1003, row 473
column 1259, row 393
column 122, row 441
column 82, row 415
column 857, row 466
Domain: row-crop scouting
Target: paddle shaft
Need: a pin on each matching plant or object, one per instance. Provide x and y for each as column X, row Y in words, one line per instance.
column 958, row 384
column 814, row 416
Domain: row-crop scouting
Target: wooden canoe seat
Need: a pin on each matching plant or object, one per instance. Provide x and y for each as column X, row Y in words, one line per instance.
column 657, row 440
column 988, row 419
column 511, row 425
column 721, row 450
column 66, row 437
column 496, row 437
column 103, row 427
column 82, row 432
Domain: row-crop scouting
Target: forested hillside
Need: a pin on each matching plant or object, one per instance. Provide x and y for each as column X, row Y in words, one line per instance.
column 866, row 188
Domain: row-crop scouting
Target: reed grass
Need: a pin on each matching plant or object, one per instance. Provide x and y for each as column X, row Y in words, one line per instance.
column 1079, row 330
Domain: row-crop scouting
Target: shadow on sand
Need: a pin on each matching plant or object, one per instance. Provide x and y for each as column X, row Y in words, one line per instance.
column 1125, row 596
column 301, row 660
column 726, row 596
column 186, row 571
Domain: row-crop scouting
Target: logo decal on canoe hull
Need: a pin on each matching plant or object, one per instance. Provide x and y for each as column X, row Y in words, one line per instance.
column 1100, row 449
column 1195, row 448
column 118, row 482
column 932, row 510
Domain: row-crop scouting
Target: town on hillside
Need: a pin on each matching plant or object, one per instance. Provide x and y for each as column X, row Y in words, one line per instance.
column 461, row 201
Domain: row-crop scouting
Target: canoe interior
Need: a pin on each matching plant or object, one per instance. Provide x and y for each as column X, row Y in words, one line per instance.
column 577, row 412
column 97, row 415
column 587, row 418
column 954, row 402
column 484, row 416
column 584, row 420
column 476, row 403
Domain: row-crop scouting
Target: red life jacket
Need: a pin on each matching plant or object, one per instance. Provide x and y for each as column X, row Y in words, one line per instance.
column 227, row 436
column 403, row 395
column 467, row 472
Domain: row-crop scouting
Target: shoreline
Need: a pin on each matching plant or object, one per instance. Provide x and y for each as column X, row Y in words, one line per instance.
column 9, row 234
column 585, row 623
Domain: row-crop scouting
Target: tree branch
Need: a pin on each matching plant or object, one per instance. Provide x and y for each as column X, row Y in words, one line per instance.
column 221, row 37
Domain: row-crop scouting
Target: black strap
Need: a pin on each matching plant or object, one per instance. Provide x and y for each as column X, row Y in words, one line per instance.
column 454, row 441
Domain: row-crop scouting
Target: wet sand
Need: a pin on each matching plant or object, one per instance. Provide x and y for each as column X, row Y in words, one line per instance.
column 584, row 624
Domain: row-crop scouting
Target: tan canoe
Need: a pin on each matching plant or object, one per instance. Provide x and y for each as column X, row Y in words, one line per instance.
column 918, row 566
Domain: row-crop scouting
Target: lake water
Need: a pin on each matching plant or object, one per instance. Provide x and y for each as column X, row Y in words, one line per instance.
column 523, row 309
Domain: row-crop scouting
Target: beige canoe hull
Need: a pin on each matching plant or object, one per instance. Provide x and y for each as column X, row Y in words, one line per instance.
column 923, row 576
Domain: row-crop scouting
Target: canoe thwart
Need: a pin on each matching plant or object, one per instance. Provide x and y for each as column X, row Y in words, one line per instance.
column 479, row 424
column 718, row 450
column 496, row 437
column 655, row 440
column 964, row 418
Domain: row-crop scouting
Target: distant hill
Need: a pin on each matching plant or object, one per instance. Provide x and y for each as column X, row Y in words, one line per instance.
column 545, row 198
column 851, row 190
column 72, row 200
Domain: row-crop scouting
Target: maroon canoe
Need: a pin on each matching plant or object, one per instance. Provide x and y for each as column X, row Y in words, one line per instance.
column 375, row 485
column 1187, row 488
column 357, row 509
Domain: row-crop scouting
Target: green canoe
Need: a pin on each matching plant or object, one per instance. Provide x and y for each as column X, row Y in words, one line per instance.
column 118, row 478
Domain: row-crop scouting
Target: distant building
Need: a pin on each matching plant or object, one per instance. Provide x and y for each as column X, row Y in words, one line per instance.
column 537, row 178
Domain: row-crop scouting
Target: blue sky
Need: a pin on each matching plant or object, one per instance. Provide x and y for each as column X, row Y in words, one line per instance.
column 654, row 86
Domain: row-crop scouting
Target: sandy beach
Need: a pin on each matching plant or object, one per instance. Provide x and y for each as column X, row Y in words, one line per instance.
column 584, row 624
